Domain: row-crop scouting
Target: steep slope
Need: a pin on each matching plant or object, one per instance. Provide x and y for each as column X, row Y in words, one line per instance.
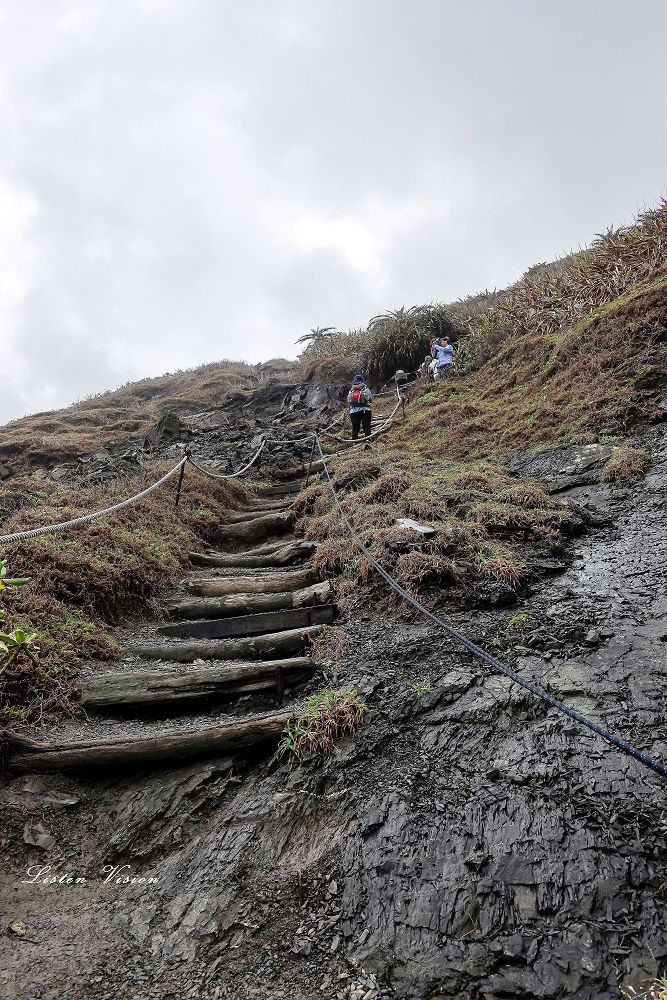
column 468, row 840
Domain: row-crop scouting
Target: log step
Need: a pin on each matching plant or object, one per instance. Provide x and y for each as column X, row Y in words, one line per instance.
column 279, row 490
column 247, row 625
column 251, row 604
column 267, row 506
column 284, row 517
column 160, row 687
column 256, row 528
column 273, row 645
column 280, row 554
column 277, row 583
column 292, row 472
column 26, row 755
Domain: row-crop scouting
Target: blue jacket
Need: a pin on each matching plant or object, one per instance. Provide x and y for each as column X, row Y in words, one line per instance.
column 444, row 355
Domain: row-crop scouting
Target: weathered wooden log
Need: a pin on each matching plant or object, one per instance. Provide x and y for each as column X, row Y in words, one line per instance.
column 278, row 490
column 259, row 647
column 257, row 550
column 281, row 555
column 293, row 472
column 276, row 583
column 26, row 755
column 156, row 687
column 256, row 528
column 255, row 624
column 266, row 506
column 247, row 516
column 252, row 604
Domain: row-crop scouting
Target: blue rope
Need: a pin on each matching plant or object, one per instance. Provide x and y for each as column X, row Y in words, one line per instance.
column 481, row 654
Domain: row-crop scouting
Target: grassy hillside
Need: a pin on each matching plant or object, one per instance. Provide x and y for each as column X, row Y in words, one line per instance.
column 573, row 351
column 81, row 582
column 126, row 415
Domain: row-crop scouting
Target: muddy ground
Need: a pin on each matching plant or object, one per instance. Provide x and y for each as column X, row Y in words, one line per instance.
column 468, row 841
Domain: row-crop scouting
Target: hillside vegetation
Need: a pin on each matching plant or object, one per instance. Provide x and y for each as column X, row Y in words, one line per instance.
column 124, row 416
column 573, row 352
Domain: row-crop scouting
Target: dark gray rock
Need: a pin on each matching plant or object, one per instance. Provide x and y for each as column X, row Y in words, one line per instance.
column 563, row 468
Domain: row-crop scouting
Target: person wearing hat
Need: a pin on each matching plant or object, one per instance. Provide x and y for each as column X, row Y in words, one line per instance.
column 359, row 400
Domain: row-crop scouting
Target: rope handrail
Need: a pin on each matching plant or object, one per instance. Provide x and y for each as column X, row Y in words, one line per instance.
column 377, row 431
column 75, row 522
column 228, row 475
column 481, row 654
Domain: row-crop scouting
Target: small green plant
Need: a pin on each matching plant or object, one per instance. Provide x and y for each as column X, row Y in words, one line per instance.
column 19, row 641
column 15, row 643
column 6, row 582
column 655, row 990
column 327, row 716
column 521, row 624
column 422, row 687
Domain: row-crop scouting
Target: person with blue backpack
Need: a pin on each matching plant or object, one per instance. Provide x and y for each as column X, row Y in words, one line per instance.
column 443, row 353
column 359, row 400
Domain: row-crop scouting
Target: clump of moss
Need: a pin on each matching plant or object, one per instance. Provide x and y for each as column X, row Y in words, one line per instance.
column 626, row 464
column 520, row 624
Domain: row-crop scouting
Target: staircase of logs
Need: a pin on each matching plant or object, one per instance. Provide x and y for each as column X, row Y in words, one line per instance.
column 241, row 625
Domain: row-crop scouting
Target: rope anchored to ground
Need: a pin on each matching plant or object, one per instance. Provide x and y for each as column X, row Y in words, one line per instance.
column 481, row 654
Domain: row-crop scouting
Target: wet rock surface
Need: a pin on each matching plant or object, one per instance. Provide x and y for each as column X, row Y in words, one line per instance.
column 469, row 841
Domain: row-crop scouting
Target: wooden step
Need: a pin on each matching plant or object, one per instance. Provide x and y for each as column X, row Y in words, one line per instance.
column 159, row 687
column 27, row 755
column 256, row 528
column 251, row 604
column 293, row 472
column 281, row 490
column 276, row 583
column 281, row 554
column 246, row 516
column 273, row 645
column 267, row 506
column 256, row 624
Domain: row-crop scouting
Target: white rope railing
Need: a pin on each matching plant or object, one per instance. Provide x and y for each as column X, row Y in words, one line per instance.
column 75, row 522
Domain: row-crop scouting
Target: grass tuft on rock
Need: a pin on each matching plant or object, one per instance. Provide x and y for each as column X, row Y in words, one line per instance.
column 626, row 464
column 326, row 717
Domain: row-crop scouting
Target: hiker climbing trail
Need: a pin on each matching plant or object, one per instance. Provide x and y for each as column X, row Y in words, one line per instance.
column 238, row 629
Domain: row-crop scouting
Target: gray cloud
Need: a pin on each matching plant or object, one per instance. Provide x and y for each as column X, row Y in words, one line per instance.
column 186, row 180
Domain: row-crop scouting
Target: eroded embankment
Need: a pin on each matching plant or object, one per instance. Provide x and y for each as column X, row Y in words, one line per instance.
column 465, row 840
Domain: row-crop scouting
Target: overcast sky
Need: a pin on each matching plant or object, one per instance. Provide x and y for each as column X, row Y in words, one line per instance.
column 187, row 180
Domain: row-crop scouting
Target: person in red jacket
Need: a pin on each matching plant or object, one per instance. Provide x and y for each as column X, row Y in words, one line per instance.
column 359, row 400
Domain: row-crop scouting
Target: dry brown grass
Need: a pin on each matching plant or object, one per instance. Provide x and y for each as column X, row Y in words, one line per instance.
column 486, row 522
column 83, row 580
column 542, row 390
column 625, row 465
column 326, row 717
column 124, row 415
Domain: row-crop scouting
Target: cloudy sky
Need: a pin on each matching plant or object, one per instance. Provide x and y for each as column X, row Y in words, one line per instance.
column 187, row 180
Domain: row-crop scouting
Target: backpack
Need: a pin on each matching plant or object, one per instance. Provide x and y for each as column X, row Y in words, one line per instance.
column 357, row 397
